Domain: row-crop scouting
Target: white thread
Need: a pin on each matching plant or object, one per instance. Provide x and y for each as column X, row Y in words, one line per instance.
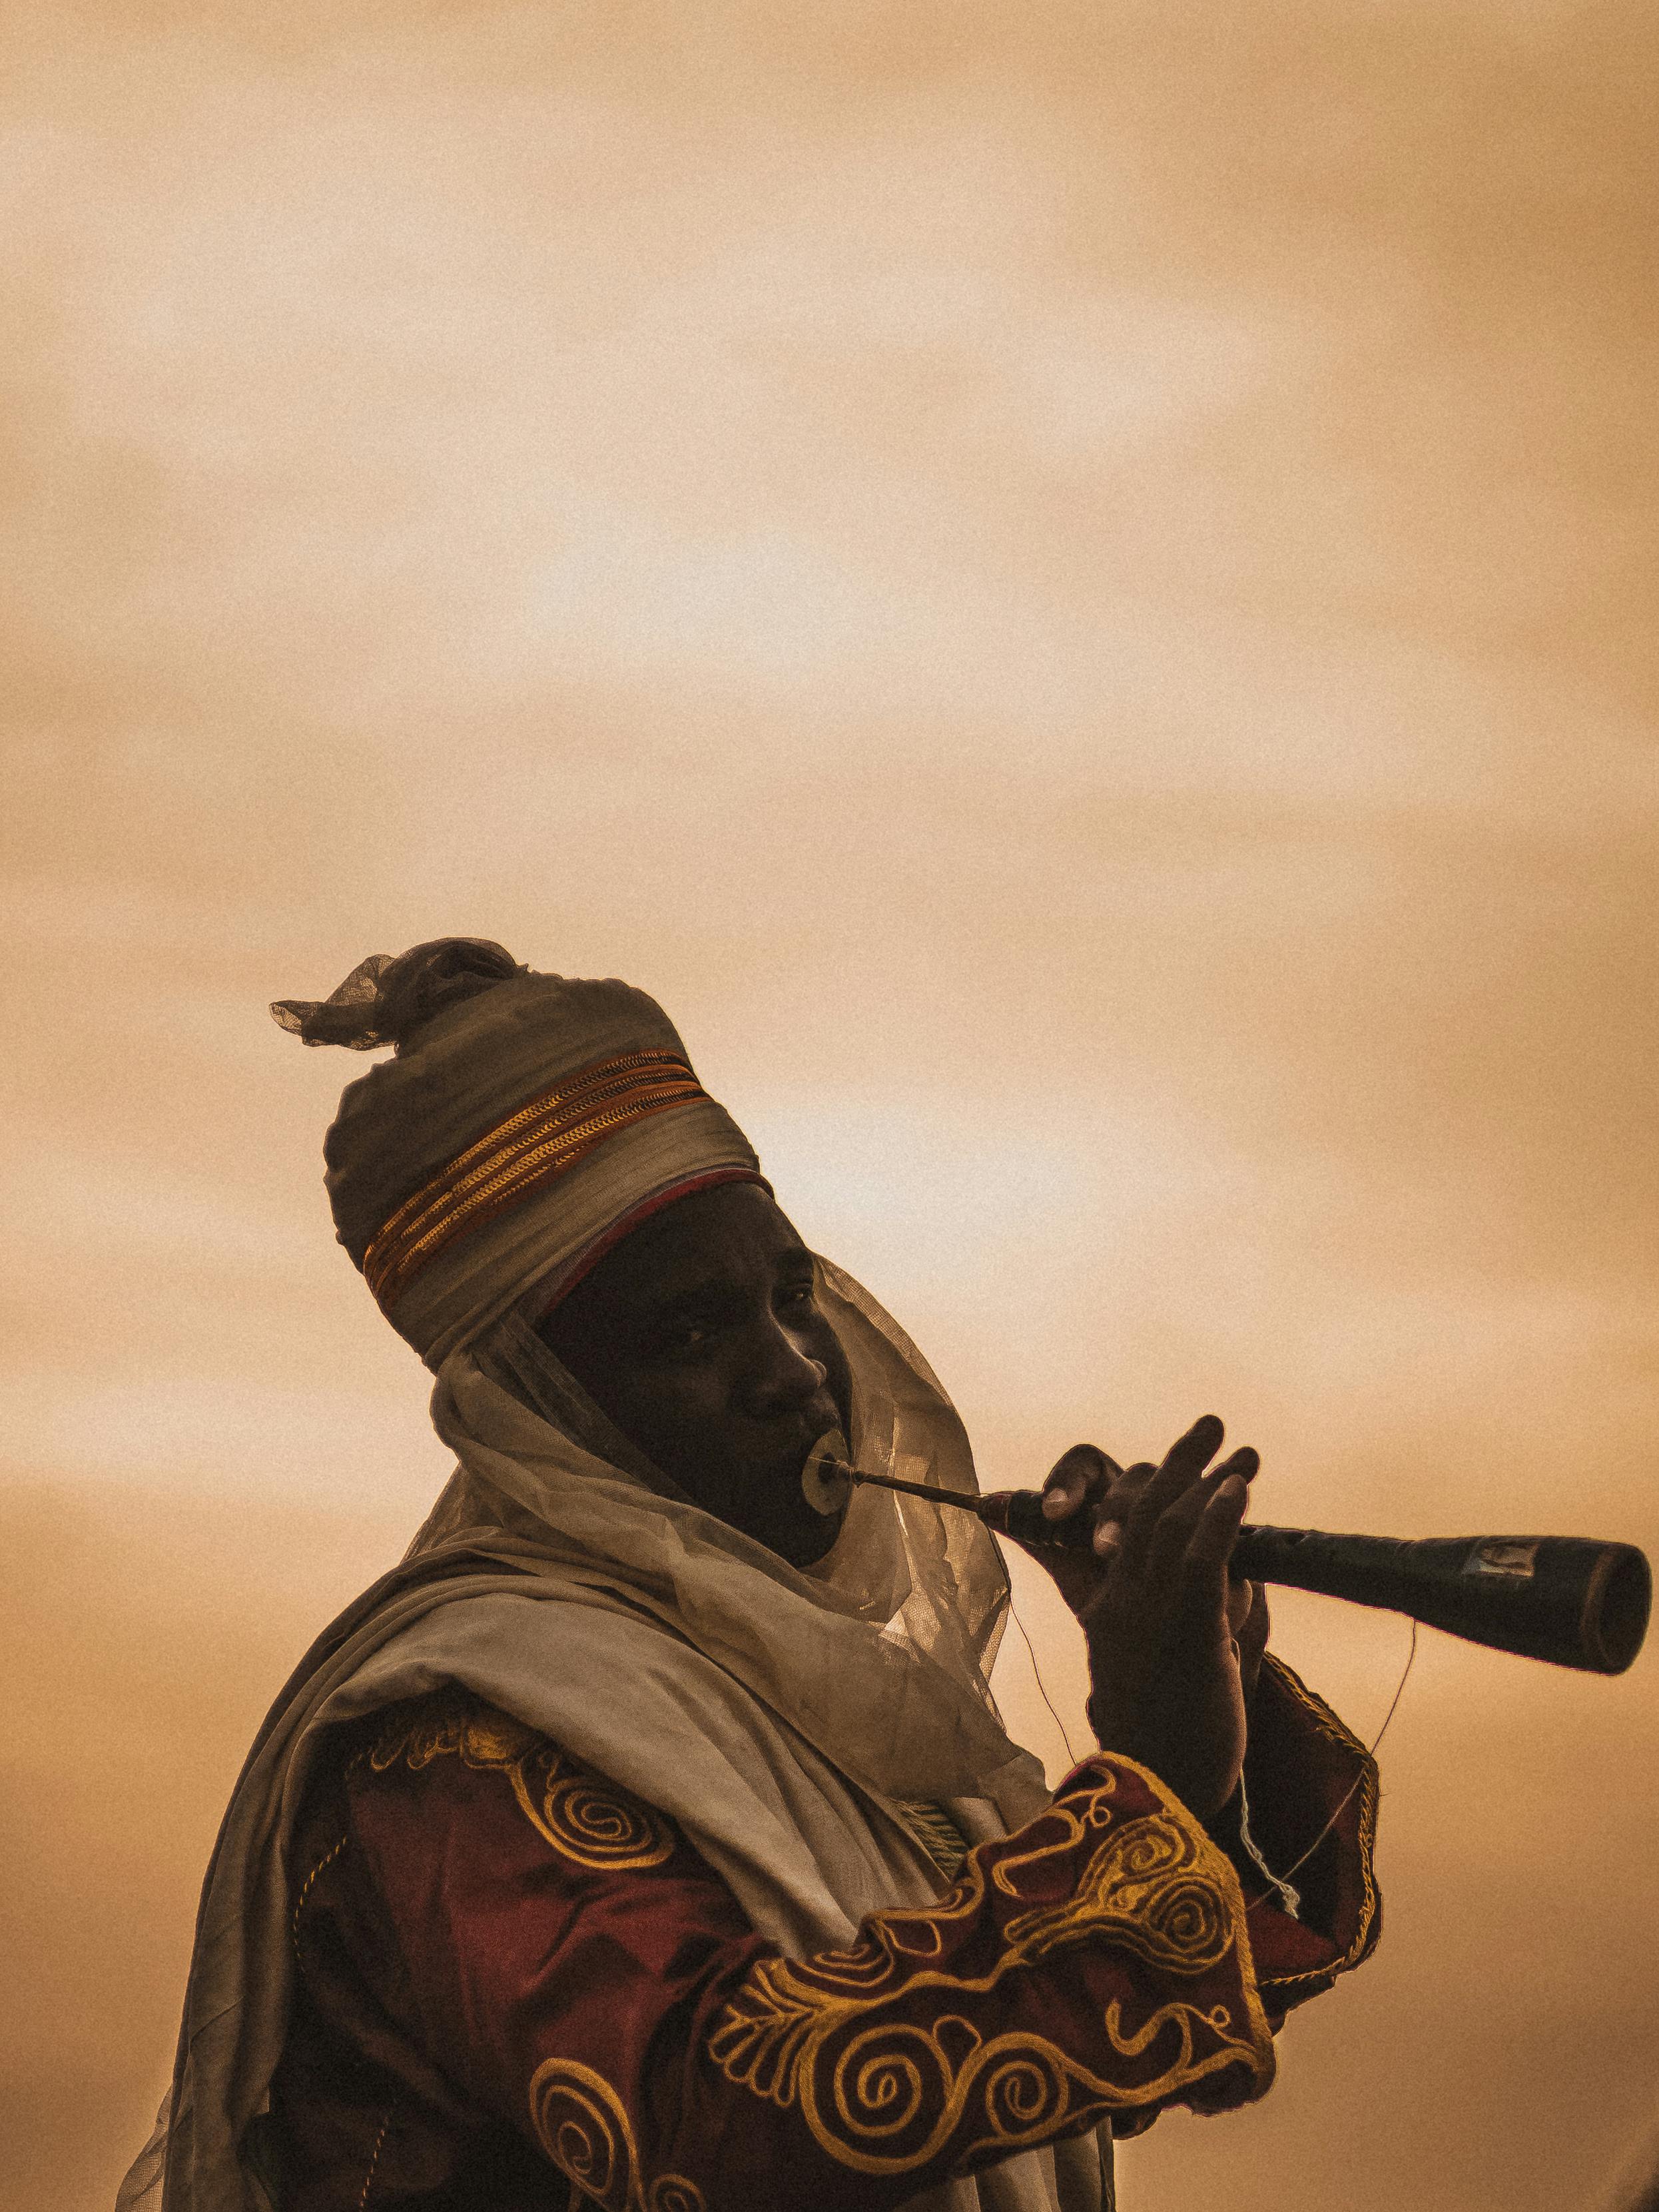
column 1278, row 1879
column 1037, row 1671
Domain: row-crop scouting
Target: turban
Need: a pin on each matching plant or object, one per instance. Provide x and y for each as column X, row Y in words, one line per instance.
column 523, row 1124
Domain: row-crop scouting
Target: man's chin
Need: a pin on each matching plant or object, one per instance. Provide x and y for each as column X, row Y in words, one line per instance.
column 806, row 1541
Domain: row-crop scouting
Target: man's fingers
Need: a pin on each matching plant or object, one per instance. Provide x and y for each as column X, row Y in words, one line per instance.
column 1112, row 1512
column 1245, row 1462
column 1187, row 1554
column 1251, row 1633
column 1148, row 1515
column 1184, row 1463
column 1079, row 1477
column 1210, row 1544
column 1167, row 1546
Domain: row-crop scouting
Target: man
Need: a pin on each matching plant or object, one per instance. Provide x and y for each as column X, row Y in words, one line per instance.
column 649, row 1838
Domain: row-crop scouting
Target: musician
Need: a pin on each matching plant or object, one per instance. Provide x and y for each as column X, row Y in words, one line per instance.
column 650, row 1835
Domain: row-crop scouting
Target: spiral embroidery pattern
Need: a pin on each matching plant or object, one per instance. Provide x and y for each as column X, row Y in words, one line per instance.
column 586, row 1820
column 583, row 2126
column 1150, row 1888
column 451, row 1723
column 872, row 2047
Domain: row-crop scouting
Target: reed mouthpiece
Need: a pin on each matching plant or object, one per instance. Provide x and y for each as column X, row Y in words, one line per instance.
column 826, row 1480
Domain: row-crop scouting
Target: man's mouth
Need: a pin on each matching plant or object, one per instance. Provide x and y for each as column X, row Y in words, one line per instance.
column 788, row 1476
column 804, row 1434
column 824, row 1479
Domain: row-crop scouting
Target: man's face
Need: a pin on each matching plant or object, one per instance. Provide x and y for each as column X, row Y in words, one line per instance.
column 700, row 1336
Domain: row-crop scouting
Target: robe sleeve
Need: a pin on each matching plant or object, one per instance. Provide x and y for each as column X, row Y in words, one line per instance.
column 1301, row 1835
column 570, row 1964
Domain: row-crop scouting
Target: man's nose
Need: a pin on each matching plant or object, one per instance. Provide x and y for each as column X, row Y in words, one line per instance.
column 783, row 1375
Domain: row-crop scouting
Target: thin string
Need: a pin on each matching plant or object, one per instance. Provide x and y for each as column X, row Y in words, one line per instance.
column 1041, row 1690
column 1280, row 1880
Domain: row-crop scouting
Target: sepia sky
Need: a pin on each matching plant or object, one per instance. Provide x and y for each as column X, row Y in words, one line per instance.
column 1071, row 587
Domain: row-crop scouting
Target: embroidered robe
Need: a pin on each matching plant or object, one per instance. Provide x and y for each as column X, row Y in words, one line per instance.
column 514, row 1973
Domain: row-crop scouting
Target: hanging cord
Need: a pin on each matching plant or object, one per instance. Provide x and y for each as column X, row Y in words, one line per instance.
column 1281, row 1882
column 1041, row 1688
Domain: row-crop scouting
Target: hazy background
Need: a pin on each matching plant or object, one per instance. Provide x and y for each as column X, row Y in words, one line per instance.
column 1073, row 589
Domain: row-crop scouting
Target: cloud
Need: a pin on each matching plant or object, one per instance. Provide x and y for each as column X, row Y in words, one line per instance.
column 191, row 1435
column 1076, row 600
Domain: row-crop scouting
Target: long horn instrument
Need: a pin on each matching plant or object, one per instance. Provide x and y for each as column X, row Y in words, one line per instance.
column 1570, row 1599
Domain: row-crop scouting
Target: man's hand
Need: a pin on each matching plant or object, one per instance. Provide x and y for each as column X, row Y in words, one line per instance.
column 1173, row 1646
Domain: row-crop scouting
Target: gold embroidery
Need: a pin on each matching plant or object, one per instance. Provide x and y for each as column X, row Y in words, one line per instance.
column 375, row 2159
column 321, row 1866
column 417, row 1734
column 885, row 2097
column 936, row 1831
column 541, row 1139
column 590, row 1822
column 1150, row 1888
column 583, row 2126
column 1329, row 1726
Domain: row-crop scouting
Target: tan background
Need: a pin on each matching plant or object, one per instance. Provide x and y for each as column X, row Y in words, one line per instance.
column 1072, row 589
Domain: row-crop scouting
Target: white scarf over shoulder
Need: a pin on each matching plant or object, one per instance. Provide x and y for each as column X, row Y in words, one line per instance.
column 780, row 1716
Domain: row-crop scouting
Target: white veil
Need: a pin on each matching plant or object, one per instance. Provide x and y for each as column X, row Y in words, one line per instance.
column 880, row 1656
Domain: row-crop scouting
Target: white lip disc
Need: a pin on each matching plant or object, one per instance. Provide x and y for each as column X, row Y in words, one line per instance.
column 825, row 1482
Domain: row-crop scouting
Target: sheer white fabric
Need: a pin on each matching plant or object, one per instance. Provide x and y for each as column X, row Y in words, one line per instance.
column 879, row 1656
column 777, row 1714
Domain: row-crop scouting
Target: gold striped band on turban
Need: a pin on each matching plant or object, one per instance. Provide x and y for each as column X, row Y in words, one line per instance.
column 534, row 1146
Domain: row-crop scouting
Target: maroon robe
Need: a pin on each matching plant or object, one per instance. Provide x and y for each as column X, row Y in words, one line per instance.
column 520, row 1987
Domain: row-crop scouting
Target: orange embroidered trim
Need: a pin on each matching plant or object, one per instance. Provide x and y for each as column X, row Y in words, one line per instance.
column 534, row 1144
